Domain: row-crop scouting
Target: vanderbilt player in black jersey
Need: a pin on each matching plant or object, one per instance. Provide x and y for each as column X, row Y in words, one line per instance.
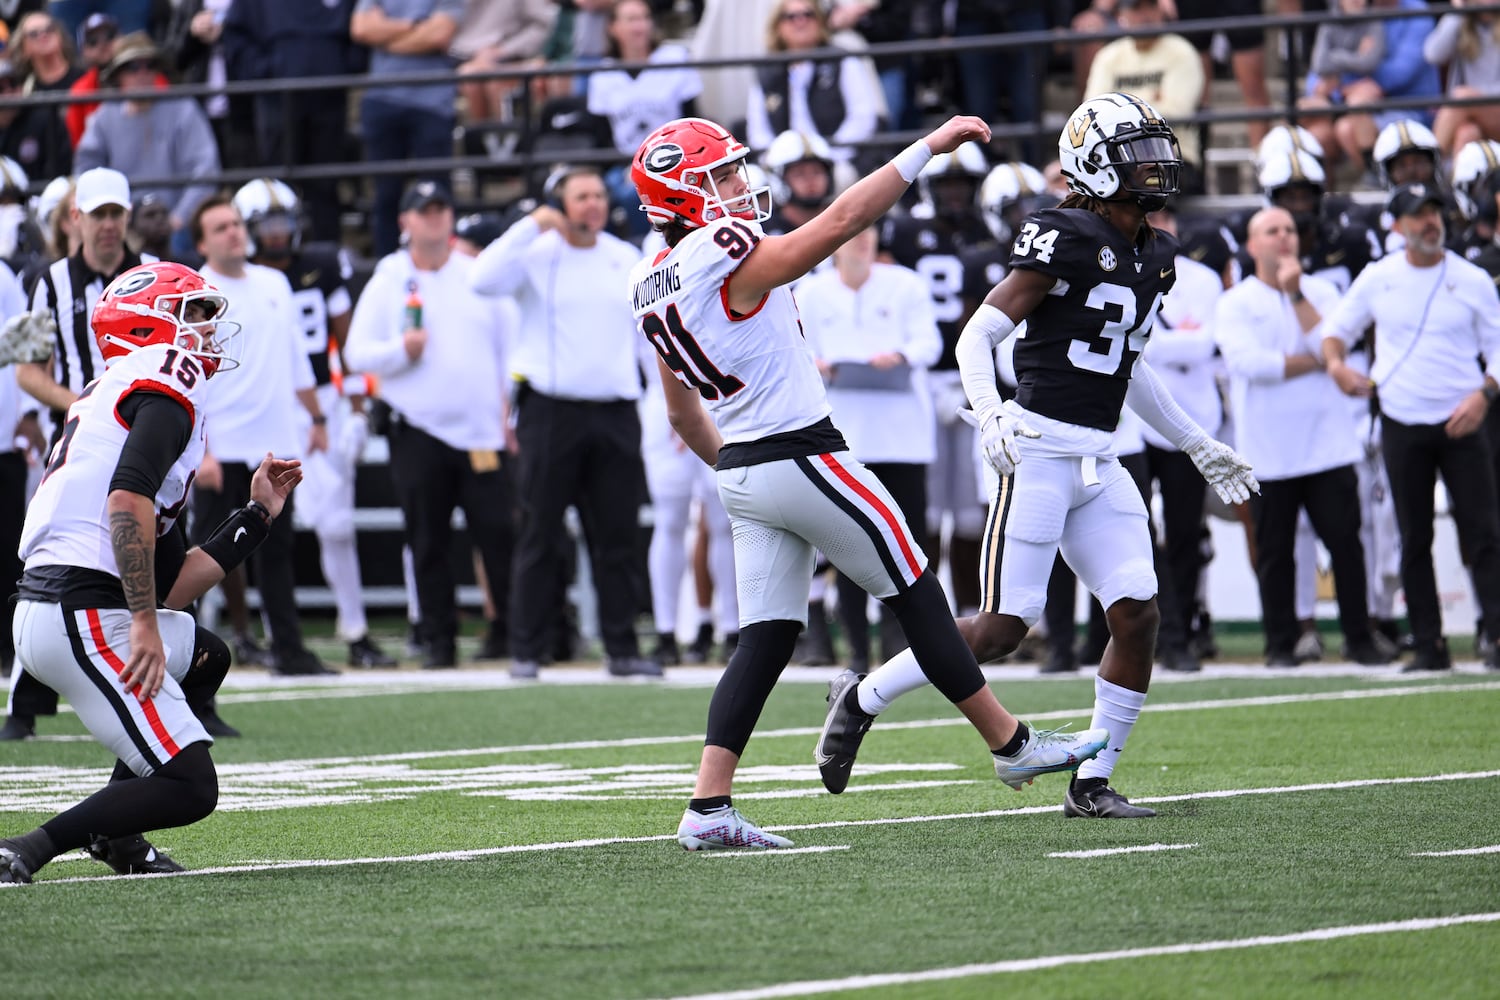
column 1334, row 246
column 319, row 290
column 945, row 223
column 1087, row 279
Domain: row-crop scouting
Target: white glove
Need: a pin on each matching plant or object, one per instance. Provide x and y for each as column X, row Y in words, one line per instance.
column 997, row 438
column 354, row 431
column 1225, row 470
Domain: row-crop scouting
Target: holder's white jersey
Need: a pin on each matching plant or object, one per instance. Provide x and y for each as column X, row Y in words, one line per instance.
column 66, row 523
column 756, row 372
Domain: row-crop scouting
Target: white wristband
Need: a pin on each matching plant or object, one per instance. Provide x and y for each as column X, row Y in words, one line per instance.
column 910, row 161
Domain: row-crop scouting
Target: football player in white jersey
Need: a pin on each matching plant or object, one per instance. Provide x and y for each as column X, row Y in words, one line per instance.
column 1087, row 279
column 90, row 623
column 716, row 307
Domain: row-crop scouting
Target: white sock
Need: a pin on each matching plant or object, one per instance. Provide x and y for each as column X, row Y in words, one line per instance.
column 898, row 675
column 1116, row 709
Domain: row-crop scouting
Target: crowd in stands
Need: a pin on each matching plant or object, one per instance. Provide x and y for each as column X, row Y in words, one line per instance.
column 808, row 119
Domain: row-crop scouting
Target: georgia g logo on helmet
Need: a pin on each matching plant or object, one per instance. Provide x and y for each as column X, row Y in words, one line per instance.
column 132, row 283
column 660, row 159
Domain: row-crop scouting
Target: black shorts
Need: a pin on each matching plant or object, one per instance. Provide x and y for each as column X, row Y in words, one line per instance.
column 1239, row 41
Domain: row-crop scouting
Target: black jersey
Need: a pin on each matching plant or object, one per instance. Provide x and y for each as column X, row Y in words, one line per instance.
column 1469, row 244
column 1074, row 361
column 984, row 266
column 932, row 248
column 320, row 289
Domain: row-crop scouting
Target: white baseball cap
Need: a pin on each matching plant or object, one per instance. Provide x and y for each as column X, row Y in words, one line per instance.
column 99, row 187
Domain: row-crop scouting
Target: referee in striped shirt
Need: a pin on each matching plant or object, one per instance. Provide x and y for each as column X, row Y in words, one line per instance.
column 70, row 287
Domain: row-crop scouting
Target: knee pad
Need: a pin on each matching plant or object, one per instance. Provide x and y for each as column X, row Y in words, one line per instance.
column 1133, row 578
column 194, row 769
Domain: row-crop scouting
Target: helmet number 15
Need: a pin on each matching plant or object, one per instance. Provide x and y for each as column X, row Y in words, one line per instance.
column 685, row 356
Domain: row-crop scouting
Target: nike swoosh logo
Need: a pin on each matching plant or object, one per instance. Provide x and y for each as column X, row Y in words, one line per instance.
column 1166, row 271
column 238, row 534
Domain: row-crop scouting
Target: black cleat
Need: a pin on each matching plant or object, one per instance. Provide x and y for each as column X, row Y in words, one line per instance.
column 731, row 643
column 249, row 653
column 843, row 730
column 702, row 646
column 1092, row 798
column 666, row 652
column 215, row 726
column 132, row 854
column 1373, row 651
column 300, row 663
column 1181, row 661
column 364, row 653
column 1429, row 658
column 18, row 727
column 1060, row 661
column 12, row 869
column 631, row 666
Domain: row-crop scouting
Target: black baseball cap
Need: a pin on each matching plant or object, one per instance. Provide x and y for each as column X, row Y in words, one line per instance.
column 424, row 193
column 480, row 229
column 1408, row 199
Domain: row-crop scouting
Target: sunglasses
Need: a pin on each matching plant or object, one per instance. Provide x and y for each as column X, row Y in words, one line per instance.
column 100, row 38
column 38, row 32
column 798, row 15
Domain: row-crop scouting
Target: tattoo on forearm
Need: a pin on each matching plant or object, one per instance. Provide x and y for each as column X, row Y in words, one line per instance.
column 135, row 558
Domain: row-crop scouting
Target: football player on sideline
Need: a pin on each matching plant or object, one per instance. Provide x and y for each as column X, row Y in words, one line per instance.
column 716, row 308
column 90, row 623
column 1087, row 278
column 320, row 292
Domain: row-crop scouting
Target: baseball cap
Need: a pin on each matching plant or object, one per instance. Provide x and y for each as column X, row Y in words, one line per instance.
column 99, row 187
column 95, row 22
column 480, row 229
column 1409, row 199
column 424, row 193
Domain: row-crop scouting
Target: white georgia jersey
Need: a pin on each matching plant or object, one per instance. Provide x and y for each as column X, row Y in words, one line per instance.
column 756, row 372
column 66, row 523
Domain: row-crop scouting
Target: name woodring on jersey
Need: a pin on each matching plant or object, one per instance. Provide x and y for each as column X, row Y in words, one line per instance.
column 657, row 285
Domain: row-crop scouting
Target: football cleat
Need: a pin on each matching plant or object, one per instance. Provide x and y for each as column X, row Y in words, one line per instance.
column 1049, row 750
column 842, row 732
column 12, row 869
column 724, row 830
column 132, row 854
column 1092, row 798
column 364, row 652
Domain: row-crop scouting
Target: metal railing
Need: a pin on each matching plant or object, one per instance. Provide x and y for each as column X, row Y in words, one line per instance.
column 523, row 160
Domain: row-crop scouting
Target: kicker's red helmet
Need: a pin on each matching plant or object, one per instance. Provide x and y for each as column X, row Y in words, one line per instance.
column 673, row 175
column 147, row 305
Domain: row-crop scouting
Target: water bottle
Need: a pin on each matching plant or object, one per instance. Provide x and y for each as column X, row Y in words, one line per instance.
column 413, row 306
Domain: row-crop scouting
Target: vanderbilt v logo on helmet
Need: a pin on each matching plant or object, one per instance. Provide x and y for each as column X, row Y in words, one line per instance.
column 1116, row 148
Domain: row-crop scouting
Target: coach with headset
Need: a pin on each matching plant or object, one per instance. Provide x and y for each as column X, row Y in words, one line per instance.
column 577, row 361
column 1435, row 316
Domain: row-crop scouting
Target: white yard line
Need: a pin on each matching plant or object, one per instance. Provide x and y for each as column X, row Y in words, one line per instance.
column 1103, row 852
column 1492, row 849
column 851, row 983
column 485, row 852
column 778, row 853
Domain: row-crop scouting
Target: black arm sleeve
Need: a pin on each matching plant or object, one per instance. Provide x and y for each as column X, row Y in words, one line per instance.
column 159, row 431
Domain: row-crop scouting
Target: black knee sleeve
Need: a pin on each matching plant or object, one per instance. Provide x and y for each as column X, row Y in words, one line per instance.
column 757, row 663
column 209, row 667
column 940, row 650
column 196, row 783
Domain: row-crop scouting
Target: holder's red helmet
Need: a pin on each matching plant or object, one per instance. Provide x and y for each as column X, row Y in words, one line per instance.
column 673, row 175
column 148, row 305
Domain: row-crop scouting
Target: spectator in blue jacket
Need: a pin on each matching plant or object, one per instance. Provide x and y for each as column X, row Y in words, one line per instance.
column 285, row 39
column 1404, row 72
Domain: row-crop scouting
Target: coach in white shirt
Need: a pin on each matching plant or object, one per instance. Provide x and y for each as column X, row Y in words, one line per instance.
column 250, row 414
column 444, row 381
column 1291, row 420
column 1434, row 314
column 578, row 361
column 872, row 328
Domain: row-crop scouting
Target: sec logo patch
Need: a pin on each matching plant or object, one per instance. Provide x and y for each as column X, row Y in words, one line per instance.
column 1107, row 259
